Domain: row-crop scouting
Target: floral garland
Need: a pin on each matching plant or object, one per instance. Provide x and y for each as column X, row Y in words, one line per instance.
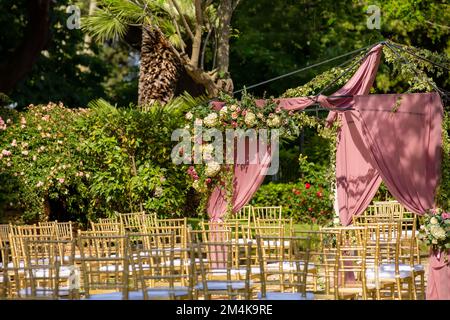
column 435, row 231
column 234, row 114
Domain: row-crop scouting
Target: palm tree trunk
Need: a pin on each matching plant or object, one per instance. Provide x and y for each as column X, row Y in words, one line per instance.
column 159, row 69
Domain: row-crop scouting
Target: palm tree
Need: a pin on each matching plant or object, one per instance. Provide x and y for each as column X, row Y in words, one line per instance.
column 175, row 34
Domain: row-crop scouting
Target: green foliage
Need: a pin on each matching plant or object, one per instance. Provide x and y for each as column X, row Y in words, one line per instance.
column 129, row 154
column 41, row 162
column 89, row 163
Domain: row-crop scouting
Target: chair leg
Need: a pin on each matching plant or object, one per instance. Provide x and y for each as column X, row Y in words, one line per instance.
column 399, row 288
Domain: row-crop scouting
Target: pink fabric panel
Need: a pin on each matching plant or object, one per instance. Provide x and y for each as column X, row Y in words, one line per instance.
column 248, row 178
column 405, row 146
column 438, row 284
column 246, row 181
column 357, row 181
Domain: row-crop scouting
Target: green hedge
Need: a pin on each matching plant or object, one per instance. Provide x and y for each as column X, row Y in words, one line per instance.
column 76, row 164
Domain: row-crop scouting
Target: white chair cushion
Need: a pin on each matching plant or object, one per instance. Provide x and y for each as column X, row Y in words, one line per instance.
column 132, row 295
column 164, row 292
column 386, row 275
column 286, row 296
column 221, row 285
column 401, row 267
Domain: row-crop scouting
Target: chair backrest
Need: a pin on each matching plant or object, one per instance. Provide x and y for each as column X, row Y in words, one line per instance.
column 64, row 230
column 107, row 225
column 162, row 271
column 104, row 262
column 132, row 222
column 351, row 260
column 215, row 270
column 266, row 212
column 244, row 213
column 283, row 263
column 48, row 270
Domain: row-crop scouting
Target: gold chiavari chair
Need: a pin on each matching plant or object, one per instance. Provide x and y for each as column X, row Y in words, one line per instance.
column 243, row 216
column 284, row 265
column 107, row 225
column 177, row 226
column 386, row 270
column 48, row 274
column 350, row 267
column 132, row 222
column 215, row 272
column 105, row 267
column 159, row 271
column 64, row 230
column 266, row 212
column 150, row 220
column 286, row 224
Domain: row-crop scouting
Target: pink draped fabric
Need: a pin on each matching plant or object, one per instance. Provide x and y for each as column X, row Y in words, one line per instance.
column 356, row 180
column 438, row 284
column 248, row 178
column 403, row 136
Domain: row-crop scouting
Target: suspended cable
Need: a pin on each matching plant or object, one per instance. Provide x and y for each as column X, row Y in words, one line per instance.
column 306, row 68
column 415, row 70
column 419, row 57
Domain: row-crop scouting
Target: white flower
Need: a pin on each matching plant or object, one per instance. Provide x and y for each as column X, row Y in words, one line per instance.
column 39, row 184
column 158, row 192
column 196, row 185
column 438, row 232
column 211, row 119
column 223, row 112
column 14, row 143
column 336, row 221
column 198, row 122
column 233, row 107
column 187, row 126
column 434, row 241
column 25, row 152
column 212, row 168
column 260, row 115
column 250, row 119
column 274, row 122
column 189, row 115
column 207, row 151
column 433, row 220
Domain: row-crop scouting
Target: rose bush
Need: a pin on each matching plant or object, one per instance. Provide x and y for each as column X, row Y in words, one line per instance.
column 84, row 163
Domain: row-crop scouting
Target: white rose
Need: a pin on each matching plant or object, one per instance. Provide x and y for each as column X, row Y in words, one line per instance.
column 233, row 107
column 275, row 122
column 250, row 119
column 336, row 221
column 198, row 122
column 212, row 168
column 223, row 112
column 260, row 115
column 211, row 119
column 433, row 220
column 207, row 151
column 189, row 115
column 438, row 232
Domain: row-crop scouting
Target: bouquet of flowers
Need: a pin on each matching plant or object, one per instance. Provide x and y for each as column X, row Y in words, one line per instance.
column 436, row 230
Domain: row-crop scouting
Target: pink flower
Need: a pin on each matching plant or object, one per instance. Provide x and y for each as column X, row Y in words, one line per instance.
column 278, row 110
column 238, row 109
column 234, row 115
column 291, row 113
column 234, row 124
column 244, row 112
column 208, row 180
column 307, row 185
column 445, row 215
column 6, row 153
column 61, row 180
